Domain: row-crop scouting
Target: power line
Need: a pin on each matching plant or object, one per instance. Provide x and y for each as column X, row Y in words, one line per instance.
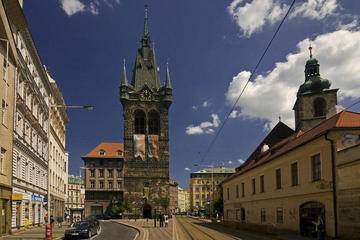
column 353, row 104
column 242, row 91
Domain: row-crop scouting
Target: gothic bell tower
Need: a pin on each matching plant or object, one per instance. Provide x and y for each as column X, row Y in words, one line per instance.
column 314, row 97
column 146, row 131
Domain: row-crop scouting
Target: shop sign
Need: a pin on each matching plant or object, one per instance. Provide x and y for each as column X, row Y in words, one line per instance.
column 17, row 196
column 36, row 198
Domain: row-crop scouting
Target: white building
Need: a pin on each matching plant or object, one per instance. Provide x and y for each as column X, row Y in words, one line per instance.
column 31, row 128
column 181, row 200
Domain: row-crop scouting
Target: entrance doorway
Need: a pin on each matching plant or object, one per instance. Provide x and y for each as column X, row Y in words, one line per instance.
column 147, row 210
column 33, row 214
column 309, row 212
column 18, row 214
column 96, row 210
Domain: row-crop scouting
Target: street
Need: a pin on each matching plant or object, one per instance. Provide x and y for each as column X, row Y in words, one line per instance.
column 112, row 231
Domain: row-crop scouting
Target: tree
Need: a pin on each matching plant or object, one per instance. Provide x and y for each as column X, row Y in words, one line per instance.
column 127, row 205
column 165, row 203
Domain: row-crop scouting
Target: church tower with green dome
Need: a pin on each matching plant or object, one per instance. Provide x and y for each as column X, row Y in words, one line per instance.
column 314, row 97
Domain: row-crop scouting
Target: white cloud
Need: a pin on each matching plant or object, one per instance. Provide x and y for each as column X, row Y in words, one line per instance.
column 274, row 93
column 195, row 108
column 233, row 114
column 252, row 16
column 72, row 7
column 230, row 162
column 205, row 104
column 187, row 169
column 240, row 161
column 204, row 127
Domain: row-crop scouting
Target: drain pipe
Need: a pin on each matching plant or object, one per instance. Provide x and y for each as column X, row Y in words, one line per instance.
column 333, row 166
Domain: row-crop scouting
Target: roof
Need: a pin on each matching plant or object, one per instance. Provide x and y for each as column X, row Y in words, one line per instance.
column 215, row 170
column 344, row 119
column 110, row 149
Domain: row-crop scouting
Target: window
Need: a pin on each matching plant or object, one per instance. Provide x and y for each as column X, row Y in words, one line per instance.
column 154, row 122
column 316, row 167
column 101, row 184
column 118, row 173
column 278, row 178
column 3, row 110
column 197, row 189
column 263, row 215
column 262, row 184
column 92, row 184
column 243, row 189
column 92, row 172
column 119, row 152
column 197, row 196
column 203, row 196
column 243, row 214
column 2, row 160
column 101, row 173
column 119, row 184
column 111, row 173
column 139, row 122
column 110, row 183
column 237, row 190
column 228, row 193
column 319, row 107
column 279, row 215
column 294, row 174
column 102, row 152
column 253, row 186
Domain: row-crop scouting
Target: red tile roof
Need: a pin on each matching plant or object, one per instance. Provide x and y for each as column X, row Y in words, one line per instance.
column 111, row 151
column 344, row 119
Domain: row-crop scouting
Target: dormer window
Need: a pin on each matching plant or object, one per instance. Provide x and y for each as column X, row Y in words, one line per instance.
column 119, row 152
column 102, row 152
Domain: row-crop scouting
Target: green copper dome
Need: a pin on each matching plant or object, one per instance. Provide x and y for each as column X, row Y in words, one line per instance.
column 312, row 61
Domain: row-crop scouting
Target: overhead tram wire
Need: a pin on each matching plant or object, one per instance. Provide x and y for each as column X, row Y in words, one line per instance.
column 353, row 104
column 242, row 91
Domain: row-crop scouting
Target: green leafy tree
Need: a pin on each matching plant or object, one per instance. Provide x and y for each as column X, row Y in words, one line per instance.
column 127, row 206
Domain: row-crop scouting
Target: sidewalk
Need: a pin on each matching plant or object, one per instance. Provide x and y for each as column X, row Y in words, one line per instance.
column 147, row 229
column 36, row 233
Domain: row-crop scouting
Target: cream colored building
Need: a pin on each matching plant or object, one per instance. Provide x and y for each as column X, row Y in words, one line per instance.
column 30, row 135
column 8, row 62
column 181, row 200
column 58, row 164
column 201, row 183
column 75, row 197
column 293, row 177
column 187, row 200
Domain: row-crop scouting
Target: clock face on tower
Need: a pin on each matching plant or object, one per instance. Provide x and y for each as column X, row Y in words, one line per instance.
column 145, row 95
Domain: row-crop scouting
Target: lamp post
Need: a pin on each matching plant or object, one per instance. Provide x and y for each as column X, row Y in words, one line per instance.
column 55, row 106
column 212, row 184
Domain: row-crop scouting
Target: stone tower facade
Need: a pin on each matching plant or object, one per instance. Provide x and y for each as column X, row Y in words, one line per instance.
column 314, row 98
column 146, row 132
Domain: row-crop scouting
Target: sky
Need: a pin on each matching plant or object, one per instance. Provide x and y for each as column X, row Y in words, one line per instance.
column 211, row 46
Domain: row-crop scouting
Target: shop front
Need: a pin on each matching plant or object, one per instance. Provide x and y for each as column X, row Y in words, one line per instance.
column 5, row 196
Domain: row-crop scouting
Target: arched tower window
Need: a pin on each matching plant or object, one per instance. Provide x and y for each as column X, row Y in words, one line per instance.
column 319, row 107
column 154, row 122
column 139, row 122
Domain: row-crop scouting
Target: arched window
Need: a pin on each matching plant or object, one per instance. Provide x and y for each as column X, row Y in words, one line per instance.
column 154, row 122
column 319, row 107
column 139, row 122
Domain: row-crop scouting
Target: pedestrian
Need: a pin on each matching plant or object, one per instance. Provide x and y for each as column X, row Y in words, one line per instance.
column 166, row 220
column 319, row 228
column 67, row 218
column 161, row 220
column 60, row 220
column 52, row 220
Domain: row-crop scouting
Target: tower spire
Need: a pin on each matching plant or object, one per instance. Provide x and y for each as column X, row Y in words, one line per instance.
column 310, row 47
column 167, row 83
column 124, row 81
column 146, row 36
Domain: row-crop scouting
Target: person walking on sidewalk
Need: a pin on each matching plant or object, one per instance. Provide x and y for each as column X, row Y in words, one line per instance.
column 166, row 219
column 319, row 228
column 60, row 220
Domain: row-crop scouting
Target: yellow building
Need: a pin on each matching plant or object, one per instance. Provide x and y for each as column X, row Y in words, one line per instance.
column 201, row 183
column 8, row 62
column 295, row 176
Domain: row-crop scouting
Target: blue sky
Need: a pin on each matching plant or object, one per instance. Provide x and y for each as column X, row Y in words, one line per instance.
column 211, row 47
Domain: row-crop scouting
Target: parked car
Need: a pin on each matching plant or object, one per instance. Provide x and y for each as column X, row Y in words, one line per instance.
column 83, row 229
column 102, row 217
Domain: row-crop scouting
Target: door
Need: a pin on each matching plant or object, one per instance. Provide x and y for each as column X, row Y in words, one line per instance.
column 33, row 215
column 18, row 214
column 3, row 204
column 96, row 210
column 26, row 214
column 309, row 213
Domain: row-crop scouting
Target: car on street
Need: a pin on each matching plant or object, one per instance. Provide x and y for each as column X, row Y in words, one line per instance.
column 83, row 229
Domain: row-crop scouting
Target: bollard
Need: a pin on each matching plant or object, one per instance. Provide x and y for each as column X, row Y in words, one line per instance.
column 48, row 231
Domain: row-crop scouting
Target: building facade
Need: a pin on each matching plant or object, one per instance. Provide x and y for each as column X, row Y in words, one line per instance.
column 104, row 177
column 302, row 175
column 31, row 127
column 187, row 200
column 58, row 157
column 75, row 198
column 8, row 63
column 201, row 183
column 173, row 195
column 146, row 132
column 181, row 200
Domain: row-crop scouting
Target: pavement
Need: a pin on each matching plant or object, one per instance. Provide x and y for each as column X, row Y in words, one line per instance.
column 36, row 233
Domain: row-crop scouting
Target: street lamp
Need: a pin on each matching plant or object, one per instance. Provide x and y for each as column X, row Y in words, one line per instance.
column 212, row 183
column 54, row 106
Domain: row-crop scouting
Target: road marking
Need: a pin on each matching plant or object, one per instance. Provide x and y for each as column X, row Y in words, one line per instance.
column 96, row 235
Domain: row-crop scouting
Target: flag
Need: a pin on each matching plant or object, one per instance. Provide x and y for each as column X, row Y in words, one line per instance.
column 139, row 146
column 153, row 146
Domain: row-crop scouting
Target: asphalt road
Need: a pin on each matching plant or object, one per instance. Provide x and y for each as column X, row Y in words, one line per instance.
column 113, row 231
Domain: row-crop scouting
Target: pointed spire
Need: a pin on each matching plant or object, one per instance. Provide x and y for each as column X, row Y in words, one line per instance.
column 124, row 78
column 310, row 47
column 167, row 83
column 146, row 27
